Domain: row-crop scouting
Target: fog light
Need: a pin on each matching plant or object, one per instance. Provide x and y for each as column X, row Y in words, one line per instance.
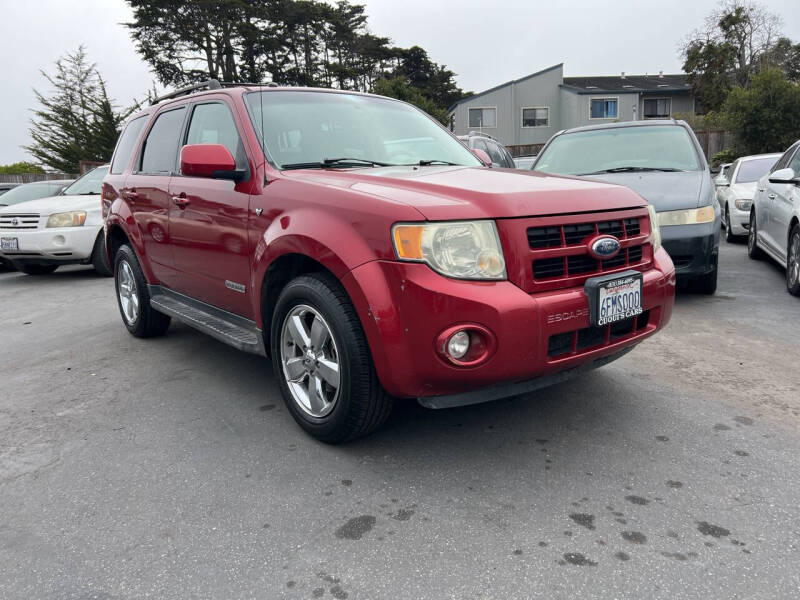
column 458, row 344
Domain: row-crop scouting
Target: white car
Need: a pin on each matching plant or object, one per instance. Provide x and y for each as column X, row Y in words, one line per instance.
column 38, row 236
column 775, row 217
column 735, row 192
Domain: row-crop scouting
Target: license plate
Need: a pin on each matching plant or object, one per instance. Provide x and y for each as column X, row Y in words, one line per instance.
column 9, row 244
column 615, row 297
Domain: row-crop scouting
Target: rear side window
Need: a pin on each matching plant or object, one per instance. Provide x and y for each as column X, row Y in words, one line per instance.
column 214, row 124
column 160, row 150
column 126, row 144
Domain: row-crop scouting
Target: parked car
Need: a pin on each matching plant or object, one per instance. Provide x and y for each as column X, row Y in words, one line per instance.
column 498, row 154
column 663, row 162
column 38, row 236
column 735, row 193
column 4, row 187
column 721, row 177
column 524, row 162
column 382, row 259
column 34, row 191
column 775, row 216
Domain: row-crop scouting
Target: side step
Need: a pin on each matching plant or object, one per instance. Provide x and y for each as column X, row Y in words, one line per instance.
column 231, row 329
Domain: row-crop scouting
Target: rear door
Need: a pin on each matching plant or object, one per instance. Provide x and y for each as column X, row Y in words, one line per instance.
column 146, row 190
column 208, row 220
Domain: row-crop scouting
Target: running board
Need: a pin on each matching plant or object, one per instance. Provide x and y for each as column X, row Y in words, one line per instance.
column 226, row 327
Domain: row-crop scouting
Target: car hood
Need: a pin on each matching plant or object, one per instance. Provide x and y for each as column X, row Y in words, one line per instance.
column 54, row 204
column 442, row 193
column 665, row 191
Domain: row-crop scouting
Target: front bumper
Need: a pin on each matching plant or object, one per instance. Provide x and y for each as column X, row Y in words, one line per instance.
column 52, row 246
column 404, row 307
column 694, row 249
column 739, row 220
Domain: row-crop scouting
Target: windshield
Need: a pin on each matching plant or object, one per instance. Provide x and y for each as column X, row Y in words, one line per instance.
column 653, row 147
column 89, row 184
column 304, row 129
column 31, row 191
column 753, row 170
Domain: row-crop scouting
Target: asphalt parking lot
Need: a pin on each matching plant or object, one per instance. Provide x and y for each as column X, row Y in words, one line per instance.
column 169, row 468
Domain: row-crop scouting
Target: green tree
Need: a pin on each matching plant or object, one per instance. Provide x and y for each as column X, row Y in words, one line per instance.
column 766, row 117
column 20, row 168
column 77, row 121
column 729, row 50
column 397, row 87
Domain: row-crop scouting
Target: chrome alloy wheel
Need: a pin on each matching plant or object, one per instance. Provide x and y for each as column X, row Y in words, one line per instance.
column 793, row 264
column 128, row 293
column 310, row 361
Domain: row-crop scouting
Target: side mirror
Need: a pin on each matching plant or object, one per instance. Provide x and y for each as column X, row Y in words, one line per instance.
column 209, row 160
column 723, row 183
column 784, row 176
column 482, row 156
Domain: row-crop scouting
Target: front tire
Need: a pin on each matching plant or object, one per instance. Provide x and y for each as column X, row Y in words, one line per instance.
column 706, row 284
column 753, row 251
column 37, row 269
column 729, row 237
column 793, row 262
column 322, row 361
column 133, row 297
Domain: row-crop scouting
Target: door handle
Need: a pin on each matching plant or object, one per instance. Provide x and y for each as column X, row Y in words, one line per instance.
column 130, row 195
column 771, row 196
column 180, row 201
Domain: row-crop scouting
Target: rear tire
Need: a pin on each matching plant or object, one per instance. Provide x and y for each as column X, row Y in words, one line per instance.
column 133, row 297
column 753, row 251
column 357, row 404
column 37, row 269
column 100, row 257
column 793, row 262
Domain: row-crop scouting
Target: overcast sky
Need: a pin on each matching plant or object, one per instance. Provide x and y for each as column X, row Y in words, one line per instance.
column 484, row 42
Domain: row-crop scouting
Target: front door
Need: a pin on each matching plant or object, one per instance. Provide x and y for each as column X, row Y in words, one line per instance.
column 208, row 220
column 787, row 198
column 147, row 191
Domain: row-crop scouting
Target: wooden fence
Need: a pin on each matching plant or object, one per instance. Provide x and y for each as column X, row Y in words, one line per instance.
column 31, row 177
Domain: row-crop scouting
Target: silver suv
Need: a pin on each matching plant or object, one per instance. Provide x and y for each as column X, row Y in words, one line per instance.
column 499, row 154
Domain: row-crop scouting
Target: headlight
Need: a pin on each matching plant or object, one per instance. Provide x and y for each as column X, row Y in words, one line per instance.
column 744, row 204
column 692, row 216
column 67, row 219
column 655, row 231
column 460, row 249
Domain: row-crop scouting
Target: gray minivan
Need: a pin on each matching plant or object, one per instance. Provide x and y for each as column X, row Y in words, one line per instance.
column 662, row 161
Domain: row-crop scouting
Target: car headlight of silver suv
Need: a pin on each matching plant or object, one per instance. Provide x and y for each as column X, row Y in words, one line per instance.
column 743, row 204
column 74, row 218
column 459, row 249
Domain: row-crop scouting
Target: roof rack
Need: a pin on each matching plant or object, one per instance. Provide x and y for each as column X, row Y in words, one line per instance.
column 210, row 84
column 480, row 134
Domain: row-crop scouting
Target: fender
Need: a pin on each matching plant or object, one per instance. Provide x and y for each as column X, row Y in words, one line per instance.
column 120, row 215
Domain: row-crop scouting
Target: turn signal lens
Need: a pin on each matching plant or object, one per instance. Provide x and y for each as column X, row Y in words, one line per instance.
column 408, row 241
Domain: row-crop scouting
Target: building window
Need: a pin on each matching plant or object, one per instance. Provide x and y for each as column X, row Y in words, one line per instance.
column 536, row 117
column 657, row 108
column 604, row 108
column 482, row 117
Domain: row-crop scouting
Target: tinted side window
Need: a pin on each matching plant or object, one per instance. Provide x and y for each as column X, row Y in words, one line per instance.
column 160, row 149
column 495, row 153
column 783, row 161
column 795, row 163
column 214, row 124
column 125, row 145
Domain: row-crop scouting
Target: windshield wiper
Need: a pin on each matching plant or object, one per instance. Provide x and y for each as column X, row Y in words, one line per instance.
column 89, row 194
column 336, row 162
column 435, row 161
column 630, row 170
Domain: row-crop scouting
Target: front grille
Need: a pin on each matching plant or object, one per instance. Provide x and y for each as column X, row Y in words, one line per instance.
column 581, row 264
column 571, row 343
column 548, row 267
column 575, row 234
column 19, row 221
column 544, row 237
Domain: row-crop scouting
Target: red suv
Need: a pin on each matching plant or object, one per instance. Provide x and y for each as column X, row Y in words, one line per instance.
column 372, row 256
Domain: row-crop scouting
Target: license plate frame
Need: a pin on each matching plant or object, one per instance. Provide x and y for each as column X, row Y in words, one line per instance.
column 9, row 244
column 627, row 284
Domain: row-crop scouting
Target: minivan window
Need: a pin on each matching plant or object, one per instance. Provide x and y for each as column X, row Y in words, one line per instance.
column 648, row 147
column 88, row 185
column 213, row 124
column 753, row 170
column 302, row 128
column 126, row 144
column 160, row 150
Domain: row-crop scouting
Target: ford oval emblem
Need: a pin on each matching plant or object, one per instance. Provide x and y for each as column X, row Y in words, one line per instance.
column 604, row 247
